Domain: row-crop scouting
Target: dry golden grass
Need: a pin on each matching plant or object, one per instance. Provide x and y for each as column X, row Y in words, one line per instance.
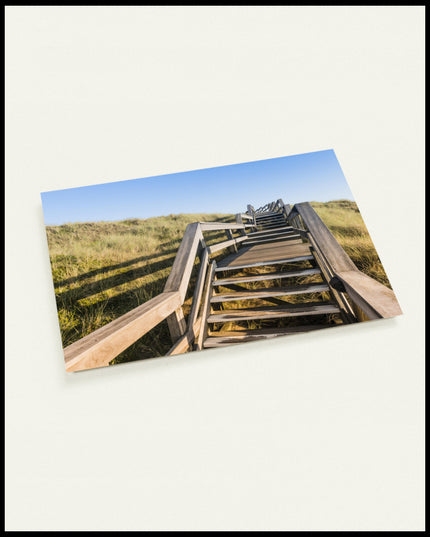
column 344, row 220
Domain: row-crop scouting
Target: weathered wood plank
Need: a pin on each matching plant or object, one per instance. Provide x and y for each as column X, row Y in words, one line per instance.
column 177, row 325
column 261, row 227
column 100, row 347
column 273, row 235
column 239, row 220
column 225, row 244
column 283, row 229
column 331, row 249
column 198, row 290
column 273, row 312
column 231, row 238
column 266, row 252
column 241, row 288
column 347, row 312
column 185, row 342
column 301, row 232
column 262, row 219
column 219, row 226
column 206, row 306
column 180, row 273
column 267, row 217
column 286, row 237
column 268, row 276
column 253, row 294
column 266, row 263
column 376, row 300
column 287, row 209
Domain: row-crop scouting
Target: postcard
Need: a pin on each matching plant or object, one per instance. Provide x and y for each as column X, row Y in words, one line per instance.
column 190, row 261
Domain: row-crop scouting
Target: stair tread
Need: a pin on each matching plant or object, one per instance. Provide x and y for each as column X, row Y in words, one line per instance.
column 250, row 294
column 273, row 312
column 265, row 263
column 267, row 226
column 282, row 229
column 268, row 276
column 257, row 240
column 269, row 215
column 269, row 220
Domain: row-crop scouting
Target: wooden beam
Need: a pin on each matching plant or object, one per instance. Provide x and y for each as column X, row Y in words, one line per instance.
column 103, row 345
column 177, row 325
column 221, row 245
column 206, row 306
column 333, row 252
column 198, row 290
column 184, row 343
column 180, row 273
column 215, row 226
column 375, row 299
column 231, row 238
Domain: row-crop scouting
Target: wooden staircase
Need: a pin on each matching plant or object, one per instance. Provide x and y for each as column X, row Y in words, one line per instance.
column 285, row 274
column 264, row 288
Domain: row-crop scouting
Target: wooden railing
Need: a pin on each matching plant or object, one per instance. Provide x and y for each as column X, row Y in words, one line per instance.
column 103, row 345
column 366, row 297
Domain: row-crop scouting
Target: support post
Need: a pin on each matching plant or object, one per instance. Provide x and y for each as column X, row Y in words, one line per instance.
column 229, row 234
column 177, row 325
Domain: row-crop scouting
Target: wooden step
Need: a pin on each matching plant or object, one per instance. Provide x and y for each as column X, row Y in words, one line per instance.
column 273, row 312
column 269, row 215
column 266, row 263
column 252, row 294
column 262, row 227
column 270, row 239
column 268, row 276
column 262, row 213
column 283, row 229
column 270, row 220
column 269, row 224
column 226, row 337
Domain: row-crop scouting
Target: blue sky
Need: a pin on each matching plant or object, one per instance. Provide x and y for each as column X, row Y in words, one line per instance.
column 313, row 176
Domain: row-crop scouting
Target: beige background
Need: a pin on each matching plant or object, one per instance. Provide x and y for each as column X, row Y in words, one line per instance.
column 316, row 432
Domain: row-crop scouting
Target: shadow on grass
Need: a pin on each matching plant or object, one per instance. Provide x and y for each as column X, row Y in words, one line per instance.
column 109, row 268
column 94, row 288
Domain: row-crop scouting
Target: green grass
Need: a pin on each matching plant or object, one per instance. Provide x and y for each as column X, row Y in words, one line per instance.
column 102, row 270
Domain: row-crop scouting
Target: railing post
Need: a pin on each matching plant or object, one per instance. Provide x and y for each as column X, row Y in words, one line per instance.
column 229, row 234
column 239, row 220
column 177, row 325
column 251, row 212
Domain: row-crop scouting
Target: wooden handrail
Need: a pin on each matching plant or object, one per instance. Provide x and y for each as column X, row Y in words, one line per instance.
column 221, row 245
column 373, row 298
column 214, row 226
column 335, row 255
column 100, row 347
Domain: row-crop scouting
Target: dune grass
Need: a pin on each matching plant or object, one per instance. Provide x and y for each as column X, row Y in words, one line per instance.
column 344, row 220
column 102, row 270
